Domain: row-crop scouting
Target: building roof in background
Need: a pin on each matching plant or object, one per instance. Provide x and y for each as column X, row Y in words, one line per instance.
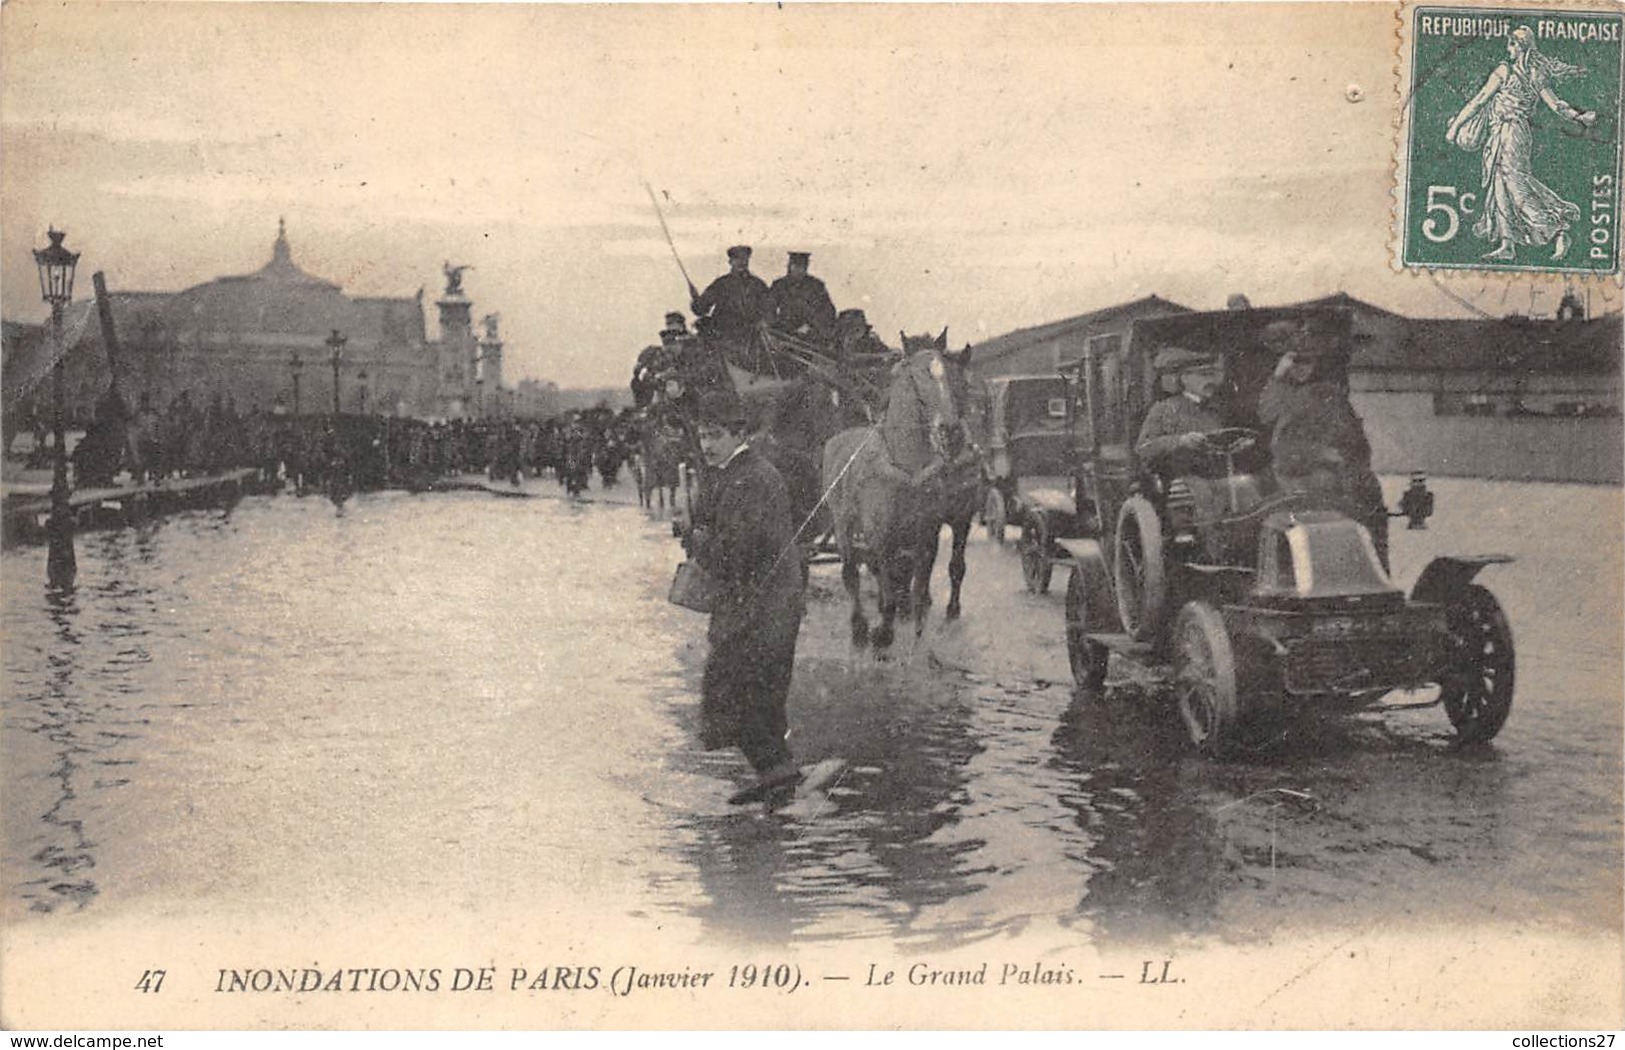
column 1010, row 342
column 1346, row 301
column 25, row 359
column 281, row 299
column 275, row 306
column 1512, row 344
column 1497, row 345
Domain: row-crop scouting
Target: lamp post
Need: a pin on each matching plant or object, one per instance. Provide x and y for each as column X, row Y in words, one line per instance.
column 361, row 392
column 56, row 266
column 335, row 346
column 480, row 357
column 294, row 365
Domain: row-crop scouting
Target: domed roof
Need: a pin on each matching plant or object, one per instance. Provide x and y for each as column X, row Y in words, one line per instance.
column 281, row 268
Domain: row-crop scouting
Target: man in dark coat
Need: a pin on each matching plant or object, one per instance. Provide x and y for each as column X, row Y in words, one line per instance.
column 1172, row 438
column 744, row 538
column 656, row 364
column 100, row 453
column 799, row 303
column 1318, row 443
column 735, row 303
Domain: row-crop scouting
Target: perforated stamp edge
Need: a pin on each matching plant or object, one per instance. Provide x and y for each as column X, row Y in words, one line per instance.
column 1399, row 163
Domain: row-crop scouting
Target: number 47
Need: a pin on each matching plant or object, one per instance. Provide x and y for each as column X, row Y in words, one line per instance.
column 151, row 981
column 1437, row 202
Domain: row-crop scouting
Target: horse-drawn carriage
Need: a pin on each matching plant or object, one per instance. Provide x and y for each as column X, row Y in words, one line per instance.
column 1253, row 594
column 874, row 447
column 800, row 394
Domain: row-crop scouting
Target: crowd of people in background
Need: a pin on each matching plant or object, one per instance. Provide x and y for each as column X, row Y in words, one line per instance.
column 344, row 453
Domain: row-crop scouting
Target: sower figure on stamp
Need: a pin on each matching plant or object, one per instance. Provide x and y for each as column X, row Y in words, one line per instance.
column 744, row 538
column 1518, row 208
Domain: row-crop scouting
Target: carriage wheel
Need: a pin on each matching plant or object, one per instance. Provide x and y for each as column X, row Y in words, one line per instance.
column 1138, row 574
column 1036, row 564
column 1087, row 656
column 1476, row 687
column 1205, row 678
column 993, row 514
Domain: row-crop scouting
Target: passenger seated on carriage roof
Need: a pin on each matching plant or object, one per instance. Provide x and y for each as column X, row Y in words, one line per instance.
column 799, row 303
column 735, row 303
column 1171, row 438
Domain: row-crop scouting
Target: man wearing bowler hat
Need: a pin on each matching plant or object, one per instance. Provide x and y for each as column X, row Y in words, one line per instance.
column 742, row 535
column 799, row 303
column 735, row 303
column 1174, row 433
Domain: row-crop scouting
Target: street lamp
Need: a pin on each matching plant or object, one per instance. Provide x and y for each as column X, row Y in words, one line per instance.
column 294, row 365
column 56, row 266
column 335, row 346
column 361, row 392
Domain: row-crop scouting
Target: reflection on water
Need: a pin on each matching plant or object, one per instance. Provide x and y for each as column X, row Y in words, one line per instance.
column 60, row 717
column 458, row 699
column 874, row 856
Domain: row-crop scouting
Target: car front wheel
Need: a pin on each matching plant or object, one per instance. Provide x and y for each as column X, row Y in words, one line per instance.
column 1205, row 678
column 1476, row 687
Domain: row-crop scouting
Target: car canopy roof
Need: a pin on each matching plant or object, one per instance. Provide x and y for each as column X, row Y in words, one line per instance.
column 1239, row 334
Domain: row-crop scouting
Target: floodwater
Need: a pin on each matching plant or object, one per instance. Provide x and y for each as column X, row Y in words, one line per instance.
column 459, row 705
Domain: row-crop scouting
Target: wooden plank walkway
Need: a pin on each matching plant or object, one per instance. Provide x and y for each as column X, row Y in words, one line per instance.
column 25, row 506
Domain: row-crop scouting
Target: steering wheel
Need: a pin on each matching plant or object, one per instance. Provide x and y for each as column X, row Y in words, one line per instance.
column 1229, row 440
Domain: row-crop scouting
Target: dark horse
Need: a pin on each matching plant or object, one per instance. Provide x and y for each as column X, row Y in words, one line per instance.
column 892, row 487
column 661, row 449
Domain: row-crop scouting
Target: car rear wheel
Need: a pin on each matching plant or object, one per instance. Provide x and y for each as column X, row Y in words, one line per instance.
column 993, row 514
column 1139, row 576
column 1476, row 688
column 1083, row 615
column 1205, row 678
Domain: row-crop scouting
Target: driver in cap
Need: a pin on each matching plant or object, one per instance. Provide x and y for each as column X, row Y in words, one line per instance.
column 1174, row 432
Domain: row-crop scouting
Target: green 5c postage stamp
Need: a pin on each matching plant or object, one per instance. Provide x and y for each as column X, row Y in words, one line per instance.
column 1509, row 151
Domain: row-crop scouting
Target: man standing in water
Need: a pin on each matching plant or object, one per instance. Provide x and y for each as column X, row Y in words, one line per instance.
column 744, row 538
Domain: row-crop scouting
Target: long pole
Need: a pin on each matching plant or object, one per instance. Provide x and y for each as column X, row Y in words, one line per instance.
column 693, row 292
column 61, row 566
column 104, row 311
column 335, row 384
column 296, row 393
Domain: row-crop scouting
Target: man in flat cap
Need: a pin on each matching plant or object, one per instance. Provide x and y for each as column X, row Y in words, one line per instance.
column 735, row 303
column 1174, row 432
column 799, row 303
column 743, row 537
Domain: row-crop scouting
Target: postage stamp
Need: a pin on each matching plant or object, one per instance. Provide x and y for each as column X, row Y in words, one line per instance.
column 1509, row 150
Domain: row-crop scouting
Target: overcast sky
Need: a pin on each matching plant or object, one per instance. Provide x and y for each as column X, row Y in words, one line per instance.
column 983, row 168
